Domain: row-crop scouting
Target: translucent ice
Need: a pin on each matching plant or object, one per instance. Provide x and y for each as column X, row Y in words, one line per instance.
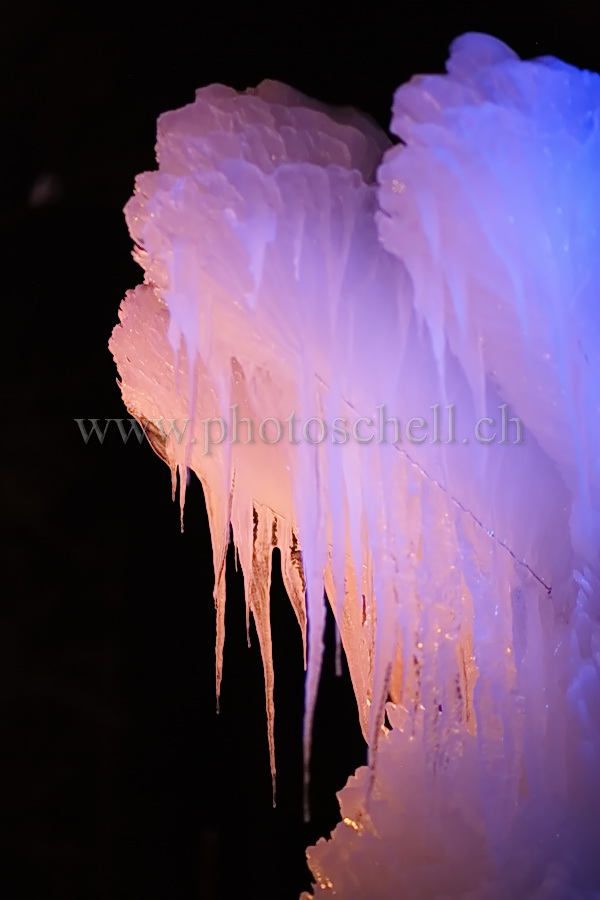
column 281, row 279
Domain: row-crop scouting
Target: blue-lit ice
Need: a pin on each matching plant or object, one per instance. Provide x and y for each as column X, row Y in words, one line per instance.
column 289, row 268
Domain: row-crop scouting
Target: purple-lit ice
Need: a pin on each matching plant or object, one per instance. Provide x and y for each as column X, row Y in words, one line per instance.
column 296, row 263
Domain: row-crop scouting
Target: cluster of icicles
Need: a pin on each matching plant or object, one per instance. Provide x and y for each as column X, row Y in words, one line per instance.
column 297, row 262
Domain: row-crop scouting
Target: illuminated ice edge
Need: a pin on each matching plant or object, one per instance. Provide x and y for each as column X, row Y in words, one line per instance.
column 280, row 276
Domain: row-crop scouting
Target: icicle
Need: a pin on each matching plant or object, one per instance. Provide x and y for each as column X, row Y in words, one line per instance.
column 259, row 586
column 219, row 527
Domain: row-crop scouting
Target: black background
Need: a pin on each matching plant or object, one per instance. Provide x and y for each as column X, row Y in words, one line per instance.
column 118, row 778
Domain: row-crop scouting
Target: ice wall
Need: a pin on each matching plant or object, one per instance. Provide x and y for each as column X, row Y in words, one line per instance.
column 279, row 279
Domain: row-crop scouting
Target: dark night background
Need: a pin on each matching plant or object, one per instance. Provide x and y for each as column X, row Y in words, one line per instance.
column 118, row 780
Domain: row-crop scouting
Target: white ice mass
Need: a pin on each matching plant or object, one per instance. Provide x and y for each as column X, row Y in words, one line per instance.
column 298, row 264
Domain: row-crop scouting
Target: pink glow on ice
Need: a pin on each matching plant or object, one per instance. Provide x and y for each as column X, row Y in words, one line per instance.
column 280, row 277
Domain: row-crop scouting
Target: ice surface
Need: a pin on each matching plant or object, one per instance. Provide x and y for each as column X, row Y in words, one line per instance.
column 280, row 278
column 258, row 242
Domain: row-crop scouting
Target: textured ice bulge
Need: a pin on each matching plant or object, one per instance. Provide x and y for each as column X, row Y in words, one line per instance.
column 296, row 263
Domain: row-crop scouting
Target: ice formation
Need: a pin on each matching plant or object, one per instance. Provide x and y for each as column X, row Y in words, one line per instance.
column 296, row 263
